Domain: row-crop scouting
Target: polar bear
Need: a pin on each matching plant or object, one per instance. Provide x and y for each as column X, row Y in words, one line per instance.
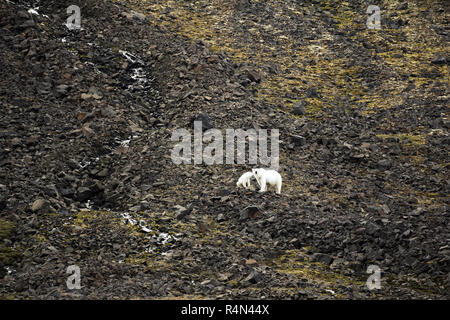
column 244, row 180
column 267, row 176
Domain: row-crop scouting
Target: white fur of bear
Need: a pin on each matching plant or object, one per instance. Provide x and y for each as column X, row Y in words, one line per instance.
column 267, row 176
column 244, row 180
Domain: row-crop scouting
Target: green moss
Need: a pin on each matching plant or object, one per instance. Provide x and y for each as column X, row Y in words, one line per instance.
column 436, row 286
column 313, row 271
column 51, row 214
column 234, row 283
column 6, row 228
column 85, row 217
column 176, row 295
column 313, row 64
column 40, row 238
column 153, row 261
column 8, row 255
column 405, row 138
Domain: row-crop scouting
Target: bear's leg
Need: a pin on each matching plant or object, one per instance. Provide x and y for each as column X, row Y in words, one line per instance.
column 279, row 187
column 263, row 184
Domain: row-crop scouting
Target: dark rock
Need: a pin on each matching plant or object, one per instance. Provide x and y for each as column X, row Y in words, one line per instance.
column 407, row 233
column 28, row 24
column 135, row 208
column 298, row 140
column 384, row 164
column 322, row 258
column 182, row 212
column 145, row 205
column 205, row 120
column 298, row 109
column 133, row 15
column 249, row 212
column 417, row 212
column 40, row 206
column 254, row 277
column 447, row 283
column 402, row 6
column 311, row 92
column 253, row 76
column 87, row 192
column 23, row 14
column 296, row 243
column 439, row 59
column 2, row 204
column 62, row 89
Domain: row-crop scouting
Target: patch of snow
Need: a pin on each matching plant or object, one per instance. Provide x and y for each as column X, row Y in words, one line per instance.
column 330, row 291
column 164, row 238
column 36, row 13
column 126, row 217
column 9, row 270
column 33, row 11
column 130, row 57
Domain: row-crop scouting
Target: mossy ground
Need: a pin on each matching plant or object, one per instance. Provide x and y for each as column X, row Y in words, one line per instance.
column 296, row 262
column 370, row 71
column 317, row 64
column 372, row 81
column 6, row 228
column 8, row 255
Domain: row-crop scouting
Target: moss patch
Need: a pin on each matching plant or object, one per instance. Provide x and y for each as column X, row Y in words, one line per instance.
column 7, row 255
column 6, row 228
column 405, row 138
column 313, row 271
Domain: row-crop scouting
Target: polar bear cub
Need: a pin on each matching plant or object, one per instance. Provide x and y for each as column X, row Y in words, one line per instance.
column 267, row 176
column 244, row 180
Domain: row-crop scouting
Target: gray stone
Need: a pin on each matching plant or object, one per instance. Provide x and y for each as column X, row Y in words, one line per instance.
column 439, row 59
column 322, row 258
column 62, row 89
column 182, row 211
column 298, row 140
column 384, row 164
column 254, row 277
column 40, row 205
column 299, row 109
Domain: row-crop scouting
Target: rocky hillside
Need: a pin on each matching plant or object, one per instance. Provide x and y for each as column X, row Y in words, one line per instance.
column 87, row 179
